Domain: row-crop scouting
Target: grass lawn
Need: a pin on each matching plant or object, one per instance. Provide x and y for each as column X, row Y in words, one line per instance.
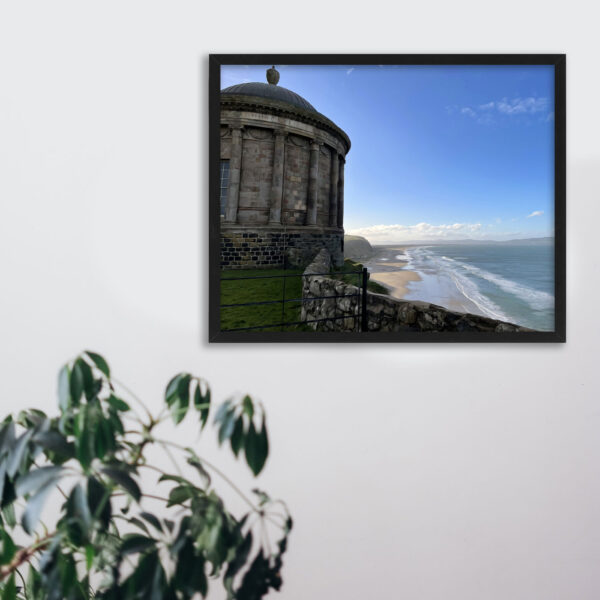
column 350, row 265
column 261, row 289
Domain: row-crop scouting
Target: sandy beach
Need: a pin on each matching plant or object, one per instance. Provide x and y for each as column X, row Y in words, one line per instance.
column 386, row 268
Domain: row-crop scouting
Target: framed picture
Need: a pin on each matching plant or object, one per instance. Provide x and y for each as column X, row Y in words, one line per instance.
column 387, row 198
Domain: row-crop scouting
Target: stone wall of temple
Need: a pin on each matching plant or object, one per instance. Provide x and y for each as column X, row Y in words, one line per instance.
column 286, row 185
column 264, row 247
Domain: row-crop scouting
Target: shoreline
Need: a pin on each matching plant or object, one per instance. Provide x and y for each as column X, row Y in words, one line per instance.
column 411, row 272
column 390, row 272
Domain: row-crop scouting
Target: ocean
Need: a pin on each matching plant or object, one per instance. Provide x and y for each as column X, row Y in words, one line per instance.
column 509, row 282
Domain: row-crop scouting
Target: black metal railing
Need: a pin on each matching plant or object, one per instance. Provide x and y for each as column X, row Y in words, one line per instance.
column 359, row 316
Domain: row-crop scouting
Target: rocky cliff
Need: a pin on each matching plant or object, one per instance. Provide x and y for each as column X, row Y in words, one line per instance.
column 356, row 247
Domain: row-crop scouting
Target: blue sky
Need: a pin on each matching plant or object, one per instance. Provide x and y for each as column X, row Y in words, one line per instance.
column 438, row 152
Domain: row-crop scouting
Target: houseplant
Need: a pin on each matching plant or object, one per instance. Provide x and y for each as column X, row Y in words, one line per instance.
column 104, row 542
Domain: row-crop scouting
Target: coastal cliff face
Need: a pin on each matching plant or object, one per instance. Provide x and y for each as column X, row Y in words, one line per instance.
column 357, row 247
column 384, row 312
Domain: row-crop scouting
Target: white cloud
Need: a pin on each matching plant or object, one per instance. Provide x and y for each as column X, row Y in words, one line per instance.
column 421, row 231
column 536, row 213
column 506, row 107
column 349, row 70
column 518, row 106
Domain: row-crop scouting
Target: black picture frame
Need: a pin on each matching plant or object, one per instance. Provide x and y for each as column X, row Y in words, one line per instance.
column 556, row 336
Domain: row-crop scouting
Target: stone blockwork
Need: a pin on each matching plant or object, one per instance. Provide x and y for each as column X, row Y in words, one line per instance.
column 271, row 247
column 384, row 313
column 282, row 178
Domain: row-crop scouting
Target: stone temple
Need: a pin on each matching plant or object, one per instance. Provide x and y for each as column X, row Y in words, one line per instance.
column 282, row 178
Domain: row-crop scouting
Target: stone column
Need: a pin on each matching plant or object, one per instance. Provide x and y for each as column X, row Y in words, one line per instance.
column 277, row 180
column 340, row 207
column 333, row 188
column 235, row 167
column 313, row 184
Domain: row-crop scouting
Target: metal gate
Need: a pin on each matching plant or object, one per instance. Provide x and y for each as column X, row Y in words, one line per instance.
column 360, row 316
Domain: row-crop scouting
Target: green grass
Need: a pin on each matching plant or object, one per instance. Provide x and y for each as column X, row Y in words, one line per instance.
column 350, row 265
column 260, row 290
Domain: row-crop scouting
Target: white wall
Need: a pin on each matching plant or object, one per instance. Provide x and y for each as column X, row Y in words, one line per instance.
column 417, row 472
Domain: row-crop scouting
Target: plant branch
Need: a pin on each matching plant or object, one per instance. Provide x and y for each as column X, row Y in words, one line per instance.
column 134, row 396
column 24, row 555
column 166, row 443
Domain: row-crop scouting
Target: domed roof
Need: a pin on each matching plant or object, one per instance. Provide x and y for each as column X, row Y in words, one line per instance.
column 270, row 90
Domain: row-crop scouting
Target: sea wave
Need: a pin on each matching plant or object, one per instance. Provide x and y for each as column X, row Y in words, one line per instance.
column 469, row 289
column 465, row 285
column 538, row 300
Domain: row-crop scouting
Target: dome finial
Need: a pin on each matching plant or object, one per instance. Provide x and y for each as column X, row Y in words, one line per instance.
column 272, row 75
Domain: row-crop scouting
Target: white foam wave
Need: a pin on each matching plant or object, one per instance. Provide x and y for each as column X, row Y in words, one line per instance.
column 465, row 285
column 537, row 299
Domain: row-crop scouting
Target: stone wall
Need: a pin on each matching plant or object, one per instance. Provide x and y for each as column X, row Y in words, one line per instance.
column 256, row 177
column 384, row 313
column 285, row 191
column 263, row 247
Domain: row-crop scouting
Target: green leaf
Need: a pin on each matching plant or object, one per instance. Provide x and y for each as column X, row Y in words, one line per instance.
column 90, row 553
column 76, row 383
column 34, row 507
column 64, row 392
column 125, row 480
column 239, row 560
column 180, row 494
column 227, row 425
column 118, row 404
column 237, row 437
column 134, row 543
column 222, row 411
column 7, row 547
column 139, row 523
column 54, row 442
column 172, row 387
column 177, row 396
column 176, row 478
column 84, row 440
column 248, row 406
column 9, row 515
column 152, row 520
column 202, row 402
column 80, row 508
column 35, row 479
column 263, row 497
column 89, row 386
column 19, row 453
column 99, row 362
column 8, row 437
column 10, row 589
column 201, row 470
column 189, row 570
column 99, row 501
column 2, row 481
column 257, row 448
